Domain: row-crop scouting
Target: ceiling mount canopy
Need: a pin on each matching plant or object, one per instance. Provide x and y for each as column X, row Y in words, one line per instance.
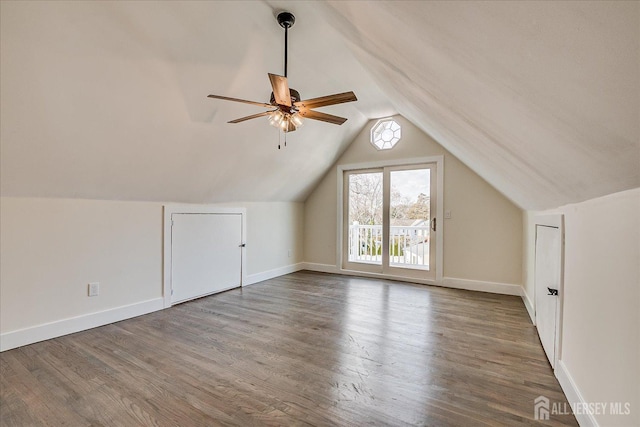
column 286, row 19
column 290, row 109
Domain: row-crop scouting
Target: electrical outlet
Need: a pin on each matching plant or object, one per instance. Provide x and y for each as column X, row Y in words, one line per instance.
column 94, row 289
column 447, row 214
column 289, row 253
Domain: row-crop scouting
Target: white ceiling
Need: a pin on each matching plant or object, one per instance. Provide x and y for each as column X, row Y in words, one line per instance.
column 107, row 100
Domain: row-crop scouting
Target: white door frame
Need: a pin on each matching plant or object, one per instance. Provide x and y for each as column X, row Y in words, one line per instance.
column 166, row 247
column 439, row 214
column 555, row 221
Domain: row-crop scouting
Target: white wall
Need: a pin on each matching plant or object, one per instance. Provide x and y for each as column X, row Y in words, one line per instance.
column 600, row 350
column 273, row 229
column 52, row 248
column 483, row 238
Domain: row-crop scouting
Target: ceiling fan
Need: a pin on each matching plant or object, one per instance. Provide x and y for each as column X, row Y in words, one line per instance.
column 288, row 109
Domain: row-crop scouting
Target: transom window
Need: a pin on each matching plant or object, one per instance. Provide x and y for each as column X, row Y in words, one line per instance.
column 385, row 134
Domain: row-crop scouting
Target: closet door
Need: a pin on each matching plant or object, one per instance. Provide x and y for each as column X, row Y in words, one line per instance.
column 206, row 254
column 548, row 287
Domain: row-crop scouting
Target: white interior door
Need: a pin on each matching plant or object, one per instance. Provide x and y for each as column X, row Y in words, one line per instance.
column 547, row 283
column 206, row 254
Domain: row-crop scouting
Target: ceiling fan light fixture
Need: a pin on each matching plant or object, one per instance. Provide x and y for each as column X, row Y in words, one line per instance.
column 296, row 119
column 276, row 118
column 286, row 122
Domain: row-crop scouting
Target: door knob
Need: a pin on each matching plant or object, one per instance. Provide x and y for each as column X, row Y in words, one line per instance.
column 552, row 292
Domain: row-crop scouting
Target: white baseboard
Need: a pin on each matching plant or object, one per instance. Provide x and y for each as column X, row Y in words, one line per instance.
column 447, row 282
column 46, row 331
column 573, row 395
column 482, row 286
column 270, row 274
column 322, row 268
column 21, row 337
column 528, row 305
column 328, row 268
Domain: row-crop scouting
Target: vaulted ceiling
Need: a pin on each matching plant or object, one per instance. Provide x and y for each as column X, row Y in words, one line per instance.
column 107, row 100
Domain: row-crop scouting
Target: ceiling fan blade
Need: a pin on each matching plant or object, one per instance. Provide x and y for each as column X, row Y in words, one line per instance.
column 226, row 98
column 254, row 116
column 280, row 89
column 323, row 101
column 323, row 117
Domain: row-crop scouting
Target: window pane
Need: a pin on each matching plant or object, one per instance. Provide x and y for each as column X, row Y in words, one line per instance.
column 365, row 217
column 409, row 215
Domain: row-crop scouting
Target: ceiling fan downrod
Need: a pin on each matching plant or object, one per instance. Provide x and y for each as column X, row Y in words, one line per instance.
column 286, row 21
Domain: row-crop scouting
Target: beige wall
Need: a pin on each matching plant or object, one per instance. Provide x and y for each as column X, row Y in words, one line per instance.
column 600, row 347
column 483, row 238
column 52, row 248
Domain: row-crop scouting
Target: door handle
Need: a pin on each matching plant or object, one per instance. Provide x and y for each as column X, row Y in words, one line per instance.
column 552, row 292
column 433, row 224
column 242, row 245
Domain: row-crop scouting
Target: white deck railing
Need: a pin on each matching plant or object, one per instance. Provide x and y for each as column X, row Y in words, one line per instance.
column 408, row 245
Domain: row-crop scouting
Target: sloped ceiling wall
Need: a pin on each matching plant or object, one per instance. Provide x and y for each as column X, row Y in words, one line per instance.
column 108, row 100
column 542, row 99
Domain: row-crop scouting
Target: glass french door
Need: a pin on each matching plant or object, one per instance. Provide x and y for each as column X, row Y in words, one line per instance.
column 389, row 220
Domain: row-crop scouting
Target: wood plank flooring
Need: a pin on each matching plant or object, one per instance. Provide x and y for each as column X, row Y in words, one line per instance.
column 302, row 349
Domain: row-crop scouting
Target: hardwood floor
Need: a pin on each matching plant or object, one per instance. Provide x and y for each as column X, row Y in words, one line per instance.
column 302, row 349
